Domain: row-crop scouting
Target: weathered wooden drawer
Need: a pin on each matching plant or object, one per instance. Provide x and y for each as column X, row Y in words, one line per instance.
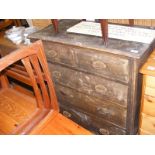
column 92, row 122
column 102, row 64
column 90, row 84
column 101, row 108
column 59, row 53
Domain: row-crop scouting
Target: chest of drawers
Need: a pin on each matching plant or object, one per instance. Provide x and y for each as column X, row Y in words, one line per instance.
column 147, row 110
column 97, row 86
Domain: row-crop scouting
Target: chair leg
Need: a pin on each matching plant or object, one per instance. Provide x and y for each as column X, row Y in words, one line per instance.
column 4, row 81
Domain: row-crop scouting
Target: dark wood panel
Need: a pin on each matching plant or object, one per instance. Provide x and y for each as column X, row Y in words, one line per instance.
column 101, row 108
column 90, row 84
column 103, row 64
column 91, row 122
column 59, row 53
column 92, row 61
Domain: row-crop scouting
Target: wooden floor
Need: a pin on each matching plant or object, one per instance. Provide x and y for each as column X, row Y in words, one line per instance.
column 13, row 113
column 56, row 124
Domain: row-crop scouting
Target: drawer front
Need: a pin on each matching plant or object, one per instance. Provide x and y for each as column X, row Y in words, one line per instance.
column 59, row 53
column 91, row 122
column 148, row 123
column 103, row 64
column 90, row 84
column 101, row 108
column 148, row 105
column 91, row 61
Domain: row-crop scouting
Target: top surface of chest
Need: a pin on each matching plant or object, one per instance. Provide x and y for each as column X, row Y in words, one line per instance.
column 115, row 46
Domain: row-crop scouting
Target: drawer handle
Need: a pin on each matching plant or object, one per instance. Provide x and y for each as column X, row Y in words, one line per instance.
column 99, row 65
column 104, row 131
column 67, row 114
column 148, row 99
column 100, row 89
column 52, row 53
column 57, row 74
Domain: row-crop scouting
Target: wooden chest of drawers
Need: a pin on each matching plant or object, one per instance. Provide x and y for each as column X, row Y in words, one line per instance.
column 97, row 86
column 147, row 113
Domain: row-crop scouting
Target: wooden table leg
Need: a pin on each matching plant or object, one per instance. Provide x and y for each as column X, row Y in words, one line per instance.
column 131, row 22
column 104, row 29
column 55, row 25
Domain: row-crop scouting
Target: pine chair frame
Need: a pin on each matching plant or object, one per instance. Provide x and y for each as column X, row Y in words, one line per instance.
column 35, row 74
column 33, row 71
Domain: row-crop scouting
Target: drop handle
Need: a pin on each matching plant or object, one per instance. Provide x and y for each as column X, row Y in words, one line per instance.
column 104, row 131
column 56, row 74
column 99, row 65
column 52, row 53
column 67, row 114
column 100, row 89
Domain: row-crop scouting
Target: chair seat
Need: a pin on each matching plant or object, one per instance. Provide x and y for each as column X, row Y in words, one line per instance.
column 57, row 124
column 13, row 113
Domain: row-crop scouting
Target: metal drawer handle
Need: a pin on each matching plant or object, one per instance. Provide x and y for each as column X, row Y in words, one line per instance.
column 100, row 89
column 99, row 65
column 104, row 131
column 52, row 53
column 67, row 114
column 57, row 74
column 148, row 99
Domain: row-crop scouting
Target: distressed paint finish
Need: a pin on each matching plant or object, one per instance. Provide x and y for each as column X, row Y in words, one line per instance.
column 94, row 123
column 90, row 84
column 101, row 108
column 107, row 76
column 83, row 59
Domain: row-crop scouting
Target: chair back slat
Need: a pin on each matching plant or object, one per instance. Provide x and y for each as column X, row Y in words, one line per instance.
column 28, row 67
column 41, row 81
column 14, row 57
column 43, row 62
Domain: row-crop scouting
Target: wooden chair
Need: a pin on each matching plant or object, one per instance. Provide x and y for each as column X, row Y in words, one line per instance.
column 30, row 112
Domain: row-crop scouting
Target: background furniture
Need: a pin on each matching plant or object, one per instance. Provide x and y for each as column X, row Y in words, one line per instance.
column 97, row 86
column 139, row 22
column 39, row 23
column 26, row 112
column 147, row 112
column 7, row 46
column 103, row 23
column 9, row 22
